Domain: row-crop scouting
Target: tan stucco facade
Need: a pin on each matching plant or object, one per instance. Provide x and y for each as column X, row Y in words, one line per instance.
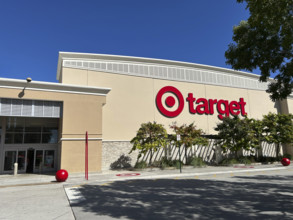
column 132, row 101
column 81, row 112
column 290, row 105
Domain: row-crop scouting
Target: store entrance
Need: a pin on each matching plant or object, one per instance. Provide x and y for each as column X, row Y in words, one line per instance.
column 30, row 160
column 31, row 144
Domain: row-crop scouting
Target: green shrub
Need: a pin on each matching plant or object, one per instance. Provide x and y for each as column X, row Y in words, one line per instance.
column 176, row 163
column 197, row 162
column 244, row 160
column 140, row 165
column 252, row 159
column 229, row 161
column 165, row 162
column 156, row 163
column 189, row 160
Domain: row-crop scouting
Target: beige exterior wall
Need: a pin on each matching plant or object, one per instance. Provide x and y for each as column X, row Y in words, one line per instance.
column 290, row 105
column 81, row 113
column 260, row 104
column 132, row 101
column 123, row 115
column 74, row 76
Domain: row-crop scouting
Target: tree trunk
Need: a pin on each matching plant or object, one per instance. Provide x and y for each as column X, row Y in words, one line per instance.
column 278, row 150
column 258, row 152
column 185, row 148
column 166, row 151
column 151, row 157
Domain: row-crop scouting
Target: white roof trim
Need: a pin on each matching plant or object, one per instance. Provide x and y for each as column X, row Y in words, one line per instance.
column 91, row 56
column 52, row 87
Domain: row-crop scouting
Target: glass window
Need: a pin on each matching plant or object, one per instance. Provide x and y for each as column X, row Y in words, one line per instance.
column 10, row 159
column 50, row 135
column 32, row 138
column 31, row 130
column 14, row 131
column 34, row 124
column 9, row 138
column 49, row 159
column 13, row 138
column 50, row 129
column 15, row 124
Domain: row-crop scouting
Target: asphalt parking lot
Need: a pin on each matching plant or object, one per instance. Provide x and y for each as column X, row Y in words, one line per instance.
column 245, row 195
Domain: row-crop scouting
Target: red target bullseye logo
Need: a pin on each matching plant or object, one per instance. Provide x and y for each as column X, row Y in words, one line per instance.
column 170, row 101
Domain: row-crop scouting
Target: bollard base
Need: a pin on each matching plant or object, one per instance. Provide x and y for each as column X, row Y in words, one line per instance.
column 15, row 169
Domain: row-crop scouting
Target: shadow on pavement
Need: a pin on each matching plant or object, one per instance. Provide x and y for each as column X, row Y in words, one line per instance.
column 187, row 199
column 275, row 179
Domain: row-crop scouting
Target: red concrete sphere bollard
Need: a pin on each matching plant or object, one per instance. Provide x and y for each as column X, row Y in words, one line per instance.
column 61, row 175
column 285, row 162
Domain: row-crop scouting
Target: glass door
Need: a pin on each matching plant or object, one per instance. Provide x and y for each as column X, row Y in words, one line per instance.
column 21, row 160
column 12, row 157
column 39, row 160
column 30, row 160
column 49, row 159
column 45, row 160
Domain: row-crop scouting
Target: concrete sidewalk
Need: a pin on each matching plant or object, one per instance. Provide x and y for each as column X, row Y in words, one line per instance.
column 117, row 175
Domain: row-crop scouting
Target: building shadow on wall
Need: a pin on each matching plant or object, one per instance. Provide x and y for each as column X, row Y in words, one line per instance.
column 188, row 199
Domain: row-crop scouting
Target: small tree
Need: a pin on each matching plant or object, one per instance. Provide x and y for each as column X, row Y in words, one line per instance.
column 190, row 136
column 278, row 129
column 149, row 137
column 236, row 134
column 258, row 131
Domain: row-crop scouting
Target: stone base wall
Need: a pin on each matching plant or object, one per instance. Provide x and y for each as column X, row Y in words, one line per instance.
column 115, row 154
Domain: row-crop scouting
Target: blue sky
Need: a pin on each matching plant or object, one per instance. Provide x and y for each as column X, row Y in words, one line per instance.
column 32, row 32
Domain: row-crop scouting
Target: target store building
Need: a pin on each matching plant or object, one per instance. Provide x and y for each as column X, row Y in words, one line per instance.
column 43, row 124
